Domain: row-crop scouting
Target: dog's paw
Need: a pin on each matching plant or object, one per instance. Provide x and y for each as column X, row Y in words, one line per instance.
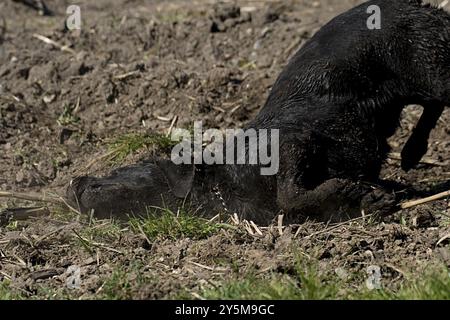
column 379, row 202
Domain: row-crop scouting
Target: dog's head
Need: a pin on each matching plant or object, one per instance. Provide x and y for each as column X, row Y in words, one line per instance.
column 132, row 190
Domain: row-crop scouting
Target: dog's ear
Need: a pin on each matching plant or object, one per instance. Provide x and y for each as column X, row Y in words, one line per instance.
column 179, row 177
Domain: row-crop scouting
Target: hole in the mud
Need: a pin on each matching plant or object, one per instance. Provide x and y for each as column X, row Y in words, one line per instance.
column 400, row 235
column 24, row 73
column 146, row 245
column 84, row 70
column 378, row 244
column 326, row 255
column 289, row 270
column 37, row 260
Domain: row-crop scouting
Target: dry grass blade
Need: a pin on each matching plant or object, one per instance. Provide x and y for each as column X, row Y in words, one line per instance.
column 5, row 275
column 256, row 228
column 54, row 43
column 219, row 270
column 214, row 219
column 96, row 244
column 337, row 225
column 65, row 203
column 165, row 119
column 235, row 219
column 144, row 235
column 201, row 266
column 102, row 157
column 280, row 224
column 443, row 4
column 172, row 124
column 126, row 75
column 51, row 233
column 197, row 296
column 248, row 228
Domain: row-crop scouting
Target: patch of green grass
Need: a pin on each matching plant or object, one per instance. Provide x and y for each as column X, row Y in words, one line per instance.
column 251, row 288
column 103, row 231
column 129, row 144
column 445, row 220
column 48, row 293
column 98, row 233
column 306, row 283
column 123, row 282
column 12, row 226
column 67, row 117
column 164, row 224
column 246, row 64
column 60, row 213
column 433, row 285
column 8, row 293
column 117, row 286
column 172, row 17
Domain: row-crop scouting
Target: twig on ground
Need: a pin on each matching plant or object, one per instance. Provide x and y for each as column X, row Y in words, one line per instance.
column 445, row 237
column 22, row 213
column 58, row 200
column 397, row 156
column 439, row 196
column 31, row 197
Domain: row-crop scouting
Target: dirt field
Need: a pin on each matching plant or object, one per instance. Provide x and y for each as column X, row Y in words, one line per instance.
column 141, row 67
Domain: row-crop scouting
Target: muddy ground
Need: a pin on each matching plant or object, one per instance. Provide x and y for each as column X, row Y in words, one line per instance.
column 143, row 67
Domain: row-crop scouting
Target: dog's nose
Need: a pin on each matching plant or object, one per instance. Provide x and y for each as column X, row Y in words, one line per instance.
column 76, row 188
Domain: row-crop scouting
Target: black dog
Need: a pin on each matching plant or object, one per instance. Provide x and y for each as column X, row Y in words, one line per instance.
column 336, row 103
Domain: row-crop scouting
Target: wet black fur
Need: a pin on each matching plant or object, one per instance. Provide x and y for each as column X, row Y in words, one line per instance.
column 336, row 103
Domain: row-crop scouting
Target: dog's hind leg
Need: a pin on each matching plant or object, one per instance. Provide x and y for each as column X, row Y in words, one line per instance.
column 417, row 145
column 339, row 200
column 305, row 188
